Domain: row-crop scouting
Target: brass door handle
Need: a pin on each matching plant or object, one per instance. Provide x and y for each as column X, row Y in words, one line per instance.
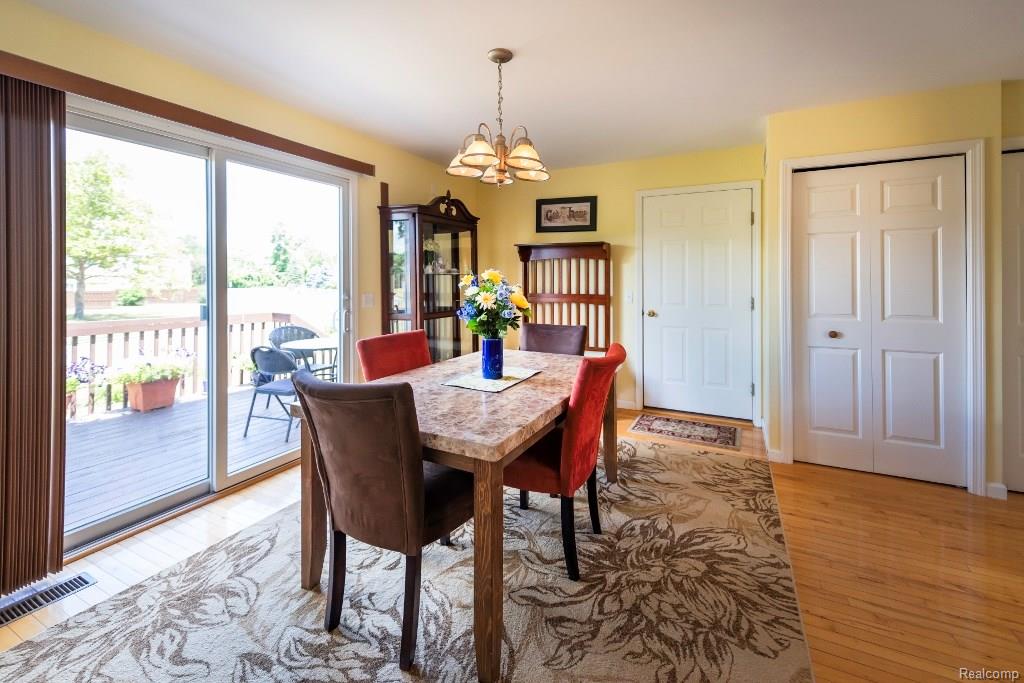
column 652, row 313
column 834, row 334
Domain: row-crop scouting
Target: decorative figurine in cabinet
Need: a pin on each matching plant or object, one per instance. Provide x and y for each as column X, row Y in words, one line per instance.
column 425, row 248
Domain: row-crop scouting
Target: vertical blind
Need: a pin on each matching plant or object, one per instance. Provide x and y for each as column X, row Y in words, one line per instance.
column 31, row 331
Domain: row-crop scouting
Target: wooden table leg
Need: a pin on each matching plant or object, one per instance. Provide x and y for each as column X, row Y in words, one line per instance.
column 488, row 580
column 312, row 513
column 611, row 456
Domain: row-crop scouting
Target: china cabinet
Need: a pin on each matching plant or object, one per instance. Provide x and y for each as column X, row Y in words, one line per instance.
column 425, row 248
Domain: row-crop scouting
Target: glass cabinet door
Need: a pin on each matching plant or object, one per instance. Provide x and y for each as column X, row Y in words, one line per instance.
column 446, row 253
column 399, row 295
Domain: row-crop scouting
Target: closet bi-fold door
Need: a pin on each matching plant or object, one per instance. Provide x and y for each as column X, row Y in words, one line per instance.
column 880, row 312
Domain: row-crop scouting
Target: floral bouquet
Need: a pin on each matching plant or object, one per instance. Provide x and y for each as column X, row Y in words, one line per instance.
column 491, row 307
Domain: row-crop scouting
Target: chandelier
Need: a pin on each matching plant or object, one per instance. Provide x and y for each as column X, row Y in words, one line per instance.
column 488, row 158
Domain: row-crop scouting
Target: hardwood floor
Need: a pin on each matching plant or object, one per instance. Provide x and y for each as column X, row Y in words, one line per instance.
column 897, row 580
column 131, row 560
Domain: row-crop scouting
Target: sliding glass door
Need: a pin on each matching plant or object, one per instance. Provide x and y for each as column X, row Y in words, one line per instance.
column 178, row 384
column 137, row 344
column 283, row 303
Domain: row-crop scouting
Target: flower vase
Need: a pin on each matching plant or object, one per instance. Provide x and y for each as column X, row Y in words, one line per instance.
column 492, row 358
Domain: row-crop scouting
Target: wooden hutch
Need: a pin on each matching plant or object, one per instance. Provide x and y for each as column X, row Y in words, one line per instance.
column 425, row 248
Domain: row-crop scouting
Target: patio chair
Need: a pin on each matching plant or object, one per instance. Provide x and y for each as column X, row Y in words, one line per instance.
column 287, row 333
column 271, row 362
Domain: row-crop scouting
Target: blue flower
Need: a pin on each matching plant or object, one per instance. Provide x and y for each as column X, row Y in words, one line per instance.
column 503, row 291
column 508, row 313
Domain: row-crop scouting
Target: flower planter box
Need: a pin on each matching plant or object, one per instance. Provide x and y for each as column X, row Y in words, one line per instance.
column 151, row 395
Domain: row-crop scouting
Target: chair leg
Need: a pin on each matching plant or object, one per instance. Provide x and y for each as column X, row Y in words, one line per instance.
column 288, row 434
column 445, row 540
column 335, row 581
column 569, row 539
column 268, row 402
column 411, row 611
column 248, row 419
column 524, row 499
column 595, row 515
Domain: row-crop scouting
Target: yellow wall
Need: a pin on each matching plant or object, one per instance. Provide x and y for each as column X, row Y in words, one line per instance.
column 1013, row 109
column 508, row 217
column 912, row 119
column 988, row 111
column 46, row 37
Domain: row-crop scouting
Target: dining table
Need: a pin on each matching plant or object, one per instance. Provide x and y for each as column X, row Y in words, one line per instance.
column 478, row 432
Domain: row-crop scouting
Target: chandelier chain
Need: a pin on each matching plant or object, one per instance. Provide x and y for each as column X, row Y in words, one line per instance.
column 499, row 100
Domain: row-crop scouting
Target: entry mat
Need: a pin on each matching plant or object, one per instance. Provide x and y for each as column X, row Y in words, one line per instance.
column 687, row 430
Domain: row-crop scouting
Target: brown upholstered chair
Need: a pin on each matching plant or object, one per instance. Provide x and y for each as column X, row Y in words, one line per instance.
column 568, row 339
column 379, row 490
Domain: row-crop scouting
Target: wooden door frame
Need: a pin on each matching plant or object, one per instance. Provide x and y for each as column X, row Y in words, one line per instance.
column 974, row 349
column 636, row 360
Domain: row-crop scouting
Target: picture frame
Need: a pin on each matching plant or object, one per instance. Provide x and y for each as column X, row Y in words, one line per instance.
column 567, row 214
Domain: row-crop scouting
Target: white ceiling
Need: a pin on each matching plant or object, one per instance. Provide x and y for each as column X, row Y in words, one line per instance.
column 595, row 80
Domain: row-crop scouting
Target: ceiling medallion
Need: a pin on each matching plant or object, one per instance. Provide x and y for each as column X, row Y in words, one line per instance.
column 488, row 158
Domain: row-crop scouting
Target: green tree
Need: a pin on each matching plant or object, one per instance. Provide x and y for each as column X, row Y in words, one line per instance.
column 104, row 227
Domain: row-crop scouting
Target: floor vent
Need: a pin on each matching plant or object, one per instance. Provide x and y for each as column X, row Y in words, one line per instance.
column 36, row 597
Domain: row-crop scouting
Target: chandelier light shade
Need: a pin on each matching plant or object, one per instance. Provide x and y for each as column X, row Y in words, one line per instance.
column 479, row 153
column 457, row 168
column 487, row 157
column 533, row 175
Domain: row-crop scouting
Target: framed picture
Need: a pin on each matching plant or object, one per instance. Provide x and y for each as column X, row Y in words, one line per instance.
column 567, row 214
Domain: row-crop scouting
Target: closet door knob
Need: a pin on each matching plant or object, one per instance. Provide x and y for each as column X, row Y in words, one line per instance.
column 834, row 334
column 652, row 313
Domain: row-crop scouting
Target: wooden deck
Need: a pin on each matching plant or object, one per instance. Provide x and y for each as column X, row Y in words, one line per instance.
column 124, row 459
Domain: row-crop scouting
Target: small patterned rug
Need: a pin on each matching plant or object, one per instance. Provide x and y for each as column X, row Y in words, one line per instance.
column 690, row 581
column 703, row 433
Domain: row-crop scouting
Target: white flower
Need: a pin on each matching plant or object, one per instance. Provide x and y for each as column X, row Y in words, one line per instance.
column 487, row 299
column 471, row 291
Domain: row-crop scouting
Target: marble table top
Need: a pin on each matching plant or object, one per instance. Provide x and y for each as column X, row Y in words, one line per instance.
column 485, row 425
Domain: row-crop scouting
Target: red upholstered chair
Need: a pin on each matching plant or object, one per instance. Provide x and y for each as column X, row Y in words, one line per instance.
column 567, row 456
column 390, row 354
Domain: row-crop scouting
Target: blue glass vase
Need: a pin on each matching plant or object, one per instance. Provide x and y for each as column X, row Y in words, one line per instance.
column 492, row 358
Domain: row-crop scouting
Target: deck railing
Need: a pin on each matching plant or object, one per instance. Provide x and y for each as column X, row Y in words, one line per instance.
column 115, row 342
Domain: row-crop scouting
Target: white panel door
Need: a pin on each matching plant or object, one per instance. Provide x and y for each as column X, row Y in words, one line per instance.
column 1013, row 320
column 880, row 303
column 697, row 302
column 832, row 364
column 919, row 328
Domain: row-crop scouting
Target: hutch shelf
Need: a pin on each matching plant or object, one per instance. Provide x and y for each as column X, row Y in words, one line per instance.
column 425, row 248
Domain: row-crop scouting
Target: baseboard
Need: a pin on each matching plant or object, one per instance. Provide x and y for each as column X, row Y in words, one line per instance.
column 776, row 455
column 628, row 405
column 996, row 490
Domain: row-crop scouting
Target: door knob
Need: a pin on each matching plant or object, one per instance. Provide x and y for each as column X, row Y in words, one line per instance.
column 652, row 313
column 834, row 334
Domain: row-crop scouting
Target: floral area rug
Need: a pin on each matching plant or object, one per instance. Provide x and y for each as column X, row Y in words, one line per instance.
column 689, row 582
column 687, row 430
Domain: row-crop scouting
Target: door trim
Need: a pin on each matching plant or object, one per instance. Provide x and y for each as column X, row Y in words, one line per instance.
column 636, row 360
column 1014, row 144
column 974, row 152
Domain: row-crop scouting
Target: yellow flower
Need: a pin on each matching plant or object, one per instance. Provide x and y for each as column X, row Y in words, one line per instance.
column 492, row 275
column 519, row 300
column 466, row 280
column 486, row 299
